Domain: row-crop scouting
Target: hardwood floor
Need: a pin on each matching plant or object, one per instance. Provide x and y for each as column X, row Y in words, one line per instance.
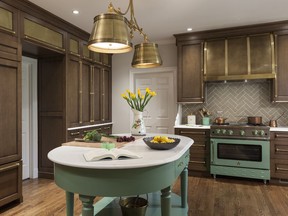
column 207, row 197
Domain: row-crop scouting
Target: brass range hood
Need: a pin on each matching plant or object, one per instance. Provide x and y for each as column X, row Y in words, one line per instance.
column 110, row 34
column 240, row 58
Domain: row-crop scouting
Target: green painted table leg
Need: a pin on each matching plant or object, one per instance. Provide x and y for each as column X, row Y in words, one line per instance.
column 87, row 205
column 166, row 201
column 69, row 203
column 184, row 187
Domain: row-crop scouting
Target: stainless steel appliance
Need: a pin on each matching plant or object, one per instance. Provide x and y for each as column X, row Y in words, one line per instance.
column 240, row 150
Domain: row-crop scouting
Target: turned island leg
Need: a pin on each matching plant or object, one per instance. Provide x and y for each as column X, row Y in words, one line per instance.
column 166, row 201
column 87, row 205
column 184, row 187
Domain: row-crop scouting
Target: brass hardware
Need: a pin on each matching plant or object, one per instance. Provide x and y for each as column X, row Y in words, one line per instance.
column 226, row 57
column 281, row 150
column 72, row 53
column 8, row 30
column 9, row 167
column 273, row 53
column 191, row 132
column 74, row 133
column 198, row 145
column 248, row 56
column 105, row 128
column 198, row 162
column 80, row 93
column 281, row 136
column 92, row 93
column 281, row 169
column 205, row 58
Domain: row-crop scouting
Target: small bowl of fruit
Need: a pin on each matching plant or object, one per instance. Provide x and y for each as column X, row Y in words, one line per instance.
column 161, row 142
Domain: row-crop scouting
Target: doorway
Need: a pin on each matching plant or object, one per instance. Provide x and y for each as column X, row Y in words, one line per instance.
column 29, row 118
column 160, row 113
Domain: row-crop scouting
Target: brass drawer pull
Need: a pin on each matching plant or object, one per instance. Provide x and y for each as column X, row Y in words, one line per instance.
column 9, row 167
column 198, row 162
column 281, row 135
column 105, row 128
column 281, row 169
column 281, row 150
column 199, row 145
column 74, row 133
column 191, row 132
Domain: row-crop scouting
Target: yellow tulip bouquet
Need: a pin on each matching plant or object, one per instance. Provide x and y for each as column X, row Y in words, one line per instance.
column 138, row 101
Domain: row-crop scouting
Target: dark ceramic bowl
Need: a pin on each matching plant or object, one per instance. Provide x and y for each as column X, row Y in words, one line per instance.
column 161, row 146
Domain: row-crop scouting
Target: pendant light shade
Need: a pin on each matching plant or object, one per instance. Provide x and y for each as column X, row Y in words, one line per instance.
column 146, row 55
column 110, row 34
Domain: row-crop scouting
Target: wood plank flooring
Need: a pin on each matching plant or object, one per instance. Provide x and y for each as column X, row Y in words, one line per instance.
column 207, row 197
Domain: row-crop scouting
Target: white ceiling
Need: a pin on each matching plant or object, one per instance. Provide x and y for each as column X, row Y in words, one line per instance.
column 160, row 19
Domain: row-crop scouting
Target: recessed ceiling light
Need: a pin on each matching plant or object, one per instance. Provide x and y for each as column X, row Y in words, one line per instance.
column 189, row 29
column 75, row 12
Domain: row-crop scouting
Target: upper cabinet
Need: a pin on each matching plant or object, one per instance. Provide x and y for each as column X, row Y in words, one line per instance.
column 8, row 19
column 43, row 34
column 280, row 87
column 190, row 72
column 240, row 58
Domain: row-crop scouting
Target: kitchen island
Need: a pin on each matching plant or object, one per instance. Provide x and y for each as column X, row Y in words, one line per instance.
column 155, row 171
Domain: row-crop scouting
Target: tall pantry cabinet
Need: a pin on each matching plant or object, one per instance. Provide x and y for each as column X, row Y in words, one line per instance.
column 10, row 108
column 74, row 88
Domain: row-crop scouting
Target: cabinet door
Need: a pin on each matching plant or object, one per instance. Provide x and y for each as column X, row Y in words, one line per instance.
column 8, row 19
column 10, row 111
column 280, row 87
column 190, row 77
column 106, row 95
column 11, row 182
column 73, row 92
column 85, row 84
column 96, row 94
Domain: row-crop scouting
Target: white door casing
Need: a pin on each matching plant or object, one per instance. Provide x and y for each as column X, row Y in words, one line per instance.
column 25, row 121
column 160, row 113
column 29, row 118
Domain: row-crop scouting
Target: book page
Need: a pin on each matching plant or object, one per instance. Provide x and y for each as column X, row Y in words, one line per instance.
column 101, row 153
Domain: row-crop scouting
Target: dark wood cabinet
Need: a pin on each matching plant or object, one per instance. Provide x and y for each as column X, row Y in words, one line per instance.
column 199, row 163
column 279, row 155
column 51, row 108
column 10, row 115
column 280, row 87
column 190, row 72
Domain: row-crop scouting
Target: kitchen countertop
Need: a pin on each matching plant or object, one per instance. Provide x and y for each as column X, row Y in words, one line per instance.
column 73, row 156
column 282, row 129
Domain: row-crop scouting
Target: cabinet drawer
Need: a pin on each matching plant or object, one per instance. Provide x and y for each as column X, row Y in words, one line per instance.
column 11, row 182
column 279, row 136
column 279, row 168
column 279, row 149
column 197, row 164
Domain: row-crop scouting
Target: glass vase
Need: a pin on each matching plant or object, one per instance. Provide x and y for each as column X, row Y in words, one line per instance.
column 138, row 126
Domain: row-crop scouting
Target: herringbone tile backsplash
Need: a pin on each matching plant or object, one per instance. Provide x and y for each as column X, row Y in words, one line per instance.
column 237, row 100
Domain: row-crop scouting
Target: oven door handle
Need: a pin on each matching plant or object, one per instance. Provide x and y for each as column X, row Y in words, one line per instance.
column 212, row 151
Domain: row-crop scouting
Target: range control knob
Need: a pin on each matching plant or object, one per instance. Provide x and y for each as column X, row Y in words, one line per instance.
column 256, row 132
column 217, row 131
column 242, row 132
column 262, row 133
column 223, row 131
column 230, row 132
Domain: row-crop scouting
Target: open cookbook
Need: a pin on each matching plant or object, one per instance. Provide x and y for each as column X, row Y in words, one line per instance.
column 115, row 153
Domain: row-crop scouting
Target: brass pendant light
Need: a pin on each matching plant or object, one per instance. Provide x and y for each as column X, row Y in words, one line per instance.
column 110, row 35
column 146, row 55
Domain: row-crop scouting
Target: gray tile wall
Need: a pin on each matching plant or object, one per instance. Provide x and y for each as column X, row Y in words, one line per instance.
column 238, row 100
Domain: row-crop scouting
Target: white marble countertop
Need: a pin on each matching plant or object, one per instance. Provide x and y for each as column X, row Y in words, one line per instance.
column 73, row 156
column 283, row 129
